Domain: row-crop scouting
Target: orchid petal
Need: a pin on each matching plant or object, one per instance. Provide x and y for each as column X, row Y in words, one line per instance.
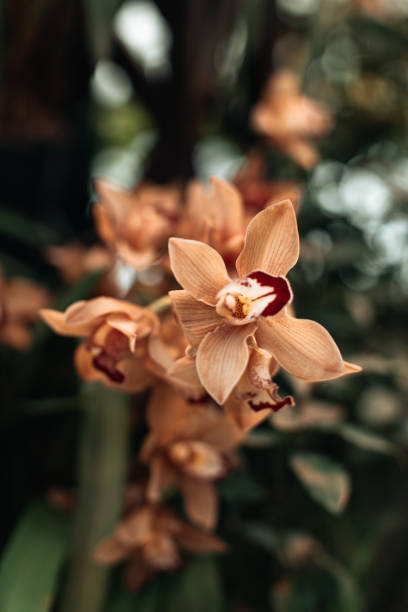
column 271, row 241
column 225, row 206
column 198, row 268
column 193, row 539
column 196, row 318
column 222, row 358
column 89, row 310
column 56, row 320
column 200, row 500
column 304, row 348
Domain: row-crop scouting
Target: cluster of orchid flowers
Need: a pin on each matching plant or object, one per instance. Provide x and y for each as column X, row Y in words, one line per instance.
column 208, row 350
column 208, row 347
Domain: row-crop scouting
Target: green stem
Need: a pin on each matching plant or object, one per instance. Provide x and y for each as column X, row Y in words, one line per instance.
column 102, row 467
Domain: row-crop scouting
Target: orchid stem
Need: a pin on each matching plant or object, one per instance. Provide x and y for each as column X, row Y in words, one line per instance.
column 102, row 468
column 160, row 305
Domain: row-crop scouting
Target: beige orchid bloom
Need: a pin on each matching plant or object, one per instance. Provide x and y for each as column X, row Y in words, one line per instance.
column 117, row 333
column 188, row 445
column 289, row 119
column 221, row 315
column 74, row 260
column 151, row 538
column 135, row 225
column 215, row 217
column 20, row 300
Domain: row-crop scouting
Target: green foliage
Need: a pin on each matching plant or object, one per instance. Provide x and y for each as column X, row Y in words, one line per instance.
column 324, row 479
column 33, row 559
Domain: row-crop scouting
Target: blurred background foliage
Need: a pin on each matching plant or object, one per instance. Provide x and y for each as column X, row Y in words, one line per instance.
column 164, row 90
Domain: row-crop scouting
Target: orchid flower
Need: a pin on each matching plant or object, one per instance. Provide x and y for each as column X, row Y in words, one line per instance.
column 115, row 349
column 188, row 445
column 151, row 538
column 221, row 315
column 289, row 119
column 135, row 225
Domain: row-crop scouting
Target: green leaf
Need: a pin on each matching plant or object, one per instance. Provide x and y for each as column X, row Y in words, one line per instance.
column 32, row 560
column 146, row 600
column 25, row 230
column 326, row 481
column 197, row 588
column 366, row 439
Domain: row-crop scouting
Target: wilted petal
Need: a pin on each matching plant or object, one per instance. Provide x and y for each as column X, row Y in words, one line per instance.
column 196, row 318
column 304, row 348
column 222, row 358
column 200, row 500
column 198, row 268
column 271, row 242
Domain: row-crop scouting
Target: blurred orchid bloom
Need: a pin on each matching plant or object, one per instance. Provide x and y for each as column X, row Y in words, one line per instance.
column 116, row 345
column 20, row 300
column 74, row 260
column 188, row 445
column 221, row 315
column 215, row 217
column 136, row 225
column 257, row 191
column 151, row 538
column 289, row 119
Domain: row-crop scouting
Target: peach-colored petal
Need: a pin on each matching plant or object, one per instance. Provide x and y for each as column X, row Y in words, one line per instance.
column 15, row 335
column 198, row 459
column 183, row 374
column 126, row 326
column 271, row 242
column 193, row 539
column 137, row 259
column 222, row 358
column 89, row 310
column 200, row 500
column 225, row 206
column 196, row 318
column 136, row 528
column 242, row 415
column 110, row 551
column 136, row 377
column 198, row 268
column 118, row 201
column 304, row 348
column 56, row 320
column 223, row 434
column 103, row 224
column 161, row 477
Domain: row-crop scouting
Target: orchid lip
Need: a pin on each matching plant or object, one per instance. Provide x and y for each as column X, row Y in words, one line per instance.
column 258, row 294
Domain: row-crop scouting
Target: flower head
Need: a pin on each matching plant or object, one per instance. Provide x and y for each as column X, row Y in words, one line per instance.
column 188, row 445
column 221, row 316
column 289, row 119
column 151, row 538
column 135, row 225
column 116, row 334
